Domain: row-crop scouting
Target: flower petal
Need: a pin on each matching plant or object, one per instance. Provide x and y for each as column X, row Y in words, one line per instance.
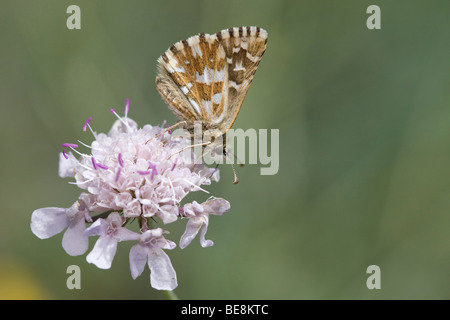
column 103, row 253
column 66, row 165
column 167, row 213
column 132, row 209
column 205, row 243
column 138, row 258
column 216, row 206
column 169, row 245
column 96, row 228
column 47, row 222
column 123, row 234
column 75, row 242
column 198, row 208
column 192, row 228
column 162, row 274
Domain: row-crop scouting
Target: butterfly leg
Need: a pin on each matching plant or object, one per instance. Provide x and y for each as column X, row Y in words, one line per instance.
column 191, row 146
column 184, row 123
column 228, row 154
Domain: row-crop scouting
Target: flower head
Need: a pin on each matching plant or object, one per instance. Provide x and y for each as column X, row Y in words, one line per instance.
column 131, row 174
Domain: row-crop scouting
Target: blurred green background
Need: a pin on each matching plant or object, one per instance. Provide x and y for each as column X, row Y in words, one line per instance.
column 364, row 120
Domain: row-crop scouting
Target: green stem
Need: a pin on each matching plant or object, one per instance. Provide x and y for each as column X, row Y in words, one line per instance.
column 101, row 215
column 170, row 295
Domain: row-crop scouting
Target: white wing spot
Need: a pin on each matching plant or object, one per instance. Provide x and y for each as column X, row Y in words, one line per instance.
column 179, row 69
column 225, row 34
column 239, row 67
column 233, row 84
column 205, row 77
column 196, row 49
column 252, row 58
column 217, row 98
column 201, row 78
column 207, row 105
column 179, row 46
column 219, row 75
column 169, row 68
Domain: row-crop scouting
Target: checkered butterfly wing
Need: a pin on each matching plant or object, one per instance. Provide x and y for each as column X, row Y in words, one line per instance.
column 206, row 77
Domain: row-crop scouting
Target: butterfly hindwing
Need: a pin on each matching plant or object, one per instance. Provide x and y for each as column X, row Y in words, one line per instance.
column 244, row 48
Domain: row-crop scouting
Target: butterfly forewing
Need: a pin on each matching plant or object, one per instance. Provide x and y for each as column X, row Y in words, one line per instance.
column 206, row 77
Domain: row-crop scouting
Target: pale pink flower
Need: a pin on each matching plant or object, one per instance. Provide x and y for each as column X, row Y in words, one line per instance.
column 110, row 232
column 198, row 215
column 46, row 222
column 131, row 174
column 149, row 250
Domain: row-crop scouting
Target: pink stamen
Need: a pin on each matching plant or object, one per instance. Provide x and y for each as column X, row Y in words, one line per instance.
column 154, row 171
column 120, row 160
column 118, row 174
column 143, row 173
column 102, row 166
column 69, row 145
column 170, row 131
column 127, row 106
column 125, row 122
column 86, row 124
column 94, row 164
column 65, row 154
column 174, row 164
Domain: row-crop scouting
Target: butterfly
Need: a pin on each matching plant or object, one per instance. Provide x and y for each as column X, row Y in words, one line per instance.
column 206, row 77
